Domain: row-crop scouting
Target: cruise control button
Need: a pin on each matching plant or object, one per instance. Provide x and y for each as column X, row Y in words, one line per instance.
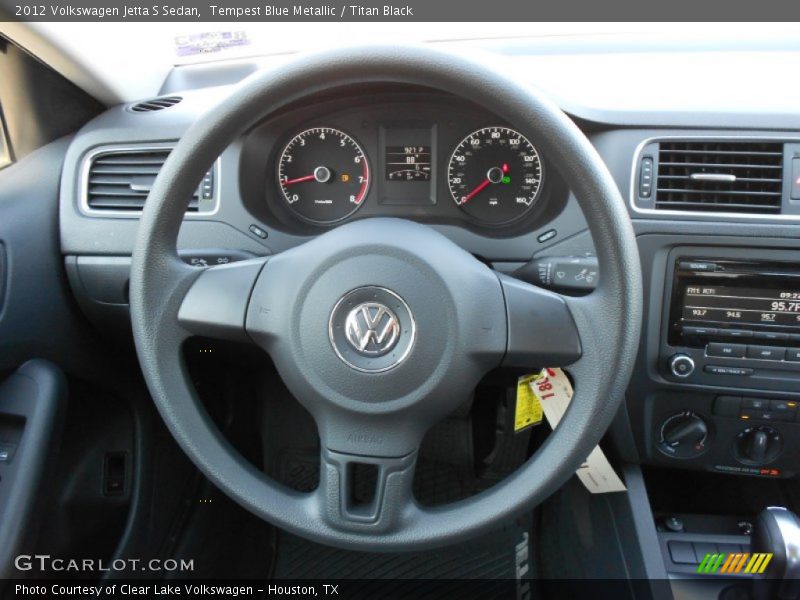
column 729, row 350
column 766, row 352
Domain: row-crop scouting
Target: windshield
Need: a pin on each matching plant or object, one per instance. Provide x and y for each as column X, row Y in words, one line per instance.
column 122, row 61
column 172, row 44
column 260, row 39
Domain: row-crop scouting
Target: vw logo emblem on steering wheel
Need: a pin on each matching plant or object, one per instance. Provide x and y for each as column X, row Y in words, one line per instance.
column 372, row 328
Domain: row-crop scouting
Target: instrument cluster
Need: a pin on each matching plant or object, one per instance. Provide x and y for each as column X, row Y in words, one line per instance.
column 420, row 156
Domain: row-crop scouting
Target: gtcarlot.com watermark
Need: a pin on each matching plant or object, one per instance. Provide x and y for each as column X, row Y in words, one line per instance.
column 48, row 563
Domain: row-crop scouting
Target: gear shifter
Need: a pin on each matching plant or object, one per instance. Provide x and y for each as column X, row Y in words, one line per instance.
column 777, row 530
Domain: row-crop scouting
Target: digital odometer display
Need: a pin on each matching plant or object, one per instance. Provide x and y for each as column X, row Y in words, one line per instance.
column 408, row 163
column 748, row 306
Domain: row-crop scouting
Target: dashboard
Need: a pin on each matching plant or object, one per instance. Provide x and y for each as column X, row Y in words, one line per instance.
column 701, row 188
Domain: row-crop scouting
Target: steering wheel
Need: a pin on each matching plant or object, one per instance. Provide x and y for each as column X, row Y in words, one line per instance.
column 381, row 327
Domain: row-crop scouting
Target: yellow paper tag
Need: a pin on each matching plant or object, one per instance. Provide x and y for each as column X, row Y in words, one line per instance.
column 527, row 409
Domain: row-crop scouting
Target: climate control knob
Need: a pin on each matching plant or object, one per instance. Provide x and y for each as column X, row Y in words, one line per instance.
column 684, row 435
column 681, row 365
column 758, row 445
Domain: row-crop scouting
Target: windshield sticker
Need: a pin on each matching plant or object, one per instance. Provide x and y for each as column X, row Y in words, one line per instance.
column 209, row 42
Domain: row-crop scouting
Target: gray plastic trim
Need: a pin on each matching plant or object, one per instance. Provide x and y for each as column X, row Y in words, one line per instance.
column 35, row 395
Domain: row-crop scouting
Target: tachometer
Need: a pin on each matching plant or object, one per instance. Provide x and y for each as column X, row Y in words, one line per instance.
column 323, row 174
column 495, row 175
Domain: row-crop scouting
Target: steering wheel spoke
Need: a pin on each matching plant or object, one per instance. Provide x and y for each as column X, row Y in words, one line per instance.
column 366, row 493
column 216, row 303
column 541, row 328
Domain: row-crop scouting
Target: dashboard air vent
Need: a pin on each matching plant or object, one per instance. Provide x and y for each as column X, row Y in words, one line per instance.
column 121, row 180
column 156, row 104
column 720, row 176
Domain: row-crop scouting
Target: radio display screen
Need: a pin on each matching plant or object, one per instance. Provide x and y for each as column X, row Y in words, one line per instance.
column 724, row 304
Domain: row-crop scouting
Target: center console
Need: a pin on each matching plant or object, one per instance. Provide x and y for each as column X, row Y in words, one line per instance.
column 729, row 356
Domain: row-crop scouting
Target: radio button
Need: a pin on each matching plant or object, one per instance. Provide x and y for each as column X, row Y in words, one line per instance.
column 720, row 370
column 736, row 333
column 687, row 265
column 703, row 331
column 772, row 336
column 793, row 354
column 766, row 352
column 729, row 350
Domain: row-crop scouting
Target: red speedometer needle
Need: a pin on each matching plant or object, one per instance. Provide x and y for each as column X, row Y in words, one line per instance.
column 476, row 191
column 299, row 179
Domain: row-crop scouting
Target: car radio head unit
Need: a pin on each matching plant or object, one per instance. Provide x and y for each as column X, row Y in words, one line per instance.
column 734, row 299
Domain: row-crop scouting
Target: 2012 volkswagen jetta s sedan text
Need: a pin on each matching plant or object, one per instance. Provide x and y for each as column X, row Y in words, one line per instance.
column 497, row 317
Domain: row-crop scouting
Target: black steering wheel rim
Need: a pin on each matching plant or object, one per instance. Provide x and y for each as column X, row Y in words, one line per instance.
column 608, row 319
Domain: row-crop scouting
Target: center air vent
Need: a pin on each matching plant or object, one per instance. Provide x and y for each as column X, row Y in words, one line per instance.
column 155, row 104
column 720, row 176
column 120, row 180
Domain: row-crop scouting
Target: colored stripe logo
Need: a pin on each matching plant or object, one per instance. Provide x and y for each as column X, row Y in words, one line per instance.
column 739, row 562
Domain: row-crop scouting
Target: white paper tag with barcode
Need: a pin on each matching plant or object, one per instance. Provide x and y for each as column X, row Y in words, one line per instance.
column 554, row 391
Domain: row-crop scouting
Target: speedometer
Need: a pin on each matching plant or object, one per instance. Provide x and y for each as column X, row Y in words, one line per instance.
column 323, row 174
column 495, row 175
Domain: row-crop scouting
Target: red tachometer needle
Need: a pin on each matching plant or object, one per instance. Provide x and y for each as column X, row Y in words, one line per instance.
column 476, row 191
column 299, row 180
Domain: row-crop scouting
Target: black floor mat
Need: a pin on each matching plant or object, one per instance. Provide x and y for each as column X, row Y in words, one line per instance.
column 497, row 556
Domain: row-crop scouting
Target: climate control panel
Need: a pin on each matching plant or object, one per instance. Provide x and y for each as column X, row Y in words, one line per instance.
column 723, row 433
